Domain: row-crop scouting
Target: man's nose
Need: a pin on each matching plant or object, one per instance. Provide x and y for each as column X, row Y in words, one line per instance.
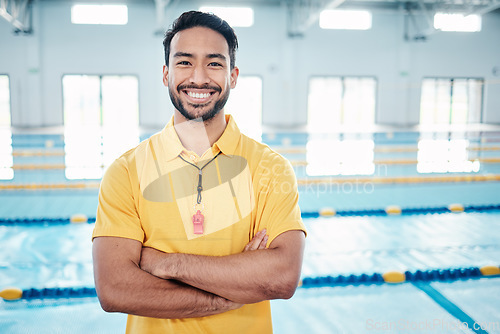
column 199, row 75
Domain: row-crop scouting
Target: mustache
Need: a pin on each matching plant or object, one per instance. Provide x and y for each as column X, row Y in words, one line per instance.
column 206, row 86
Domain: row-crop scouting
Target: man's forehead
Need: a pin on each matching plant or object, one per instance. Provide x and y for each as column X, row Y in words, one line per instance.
column 199, row 40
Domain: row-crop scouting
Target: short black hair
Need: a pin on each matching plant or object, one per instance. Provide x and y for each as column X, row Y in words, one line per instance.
column 193, row 19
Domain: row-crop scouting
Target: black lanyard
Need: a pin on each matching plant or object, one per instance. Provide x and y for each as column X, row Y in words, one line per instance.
column 200, row 184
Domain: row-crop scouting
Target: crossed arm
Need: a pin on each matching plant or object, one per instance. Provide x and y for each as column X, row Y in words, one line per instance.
column 146, row 282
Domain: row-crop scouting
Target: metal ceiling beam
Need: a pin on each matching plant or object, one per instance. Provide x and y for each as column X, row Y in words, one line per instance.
column 429, row 18
column 304, row 13
column 161, row 7
column 17, row 13
column 489, row 8
column 314, row 17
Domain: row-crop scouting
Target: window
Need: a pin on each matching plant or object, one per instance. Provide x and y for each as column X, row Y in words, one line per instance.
column 101, row 118
column 457, row 22
column 451, row 101
column 99, row 14
column 4, row 101
column 335, row 101
column 445, row 156
column 6, row 159
column 245, row 104
column 234, row 16
column 345, row 19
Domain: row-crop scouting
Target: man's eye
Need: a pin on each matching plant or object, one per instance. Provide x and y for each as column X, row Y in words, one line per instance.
column 215, row 64
column 183, row 62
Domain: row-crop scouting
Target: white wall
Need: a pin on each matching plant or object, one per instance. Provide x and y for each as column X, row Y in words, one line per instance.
column 36, row 63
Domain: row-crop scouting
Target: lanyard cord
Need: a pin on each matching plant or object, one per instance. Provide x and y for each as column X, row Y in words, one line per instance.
column 200, row 186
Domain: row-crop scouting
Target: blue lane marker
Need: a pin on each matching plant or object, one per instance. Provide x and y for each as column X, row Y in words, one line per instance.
column 451, row 308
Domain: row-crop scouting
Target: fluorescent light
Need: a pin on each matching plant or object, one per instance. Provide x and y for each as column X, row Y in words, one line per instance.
column 345, row 19
column 234, row 16
column 457, row 22
column 99, row 14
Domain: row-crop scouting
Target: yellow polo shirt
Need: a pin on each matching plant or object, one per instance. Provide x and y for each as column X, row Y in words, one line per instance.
column 150, row 194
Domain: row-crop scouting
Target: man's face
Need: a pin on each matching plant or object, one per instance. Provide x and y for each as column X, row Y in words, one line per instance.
column 199, row 77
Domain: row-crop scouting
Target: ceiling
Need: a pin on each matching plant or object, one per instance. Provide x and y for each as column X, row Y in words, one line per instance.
column 301, row 14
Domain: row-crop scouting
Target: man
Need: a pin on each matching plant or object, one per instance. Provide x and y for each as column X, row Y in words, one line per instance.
column 198, row 227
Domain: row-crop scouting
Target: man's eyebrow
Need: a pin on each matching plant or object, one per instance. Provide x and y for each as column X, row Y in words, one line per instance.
column 216, row 55
column 182, row 54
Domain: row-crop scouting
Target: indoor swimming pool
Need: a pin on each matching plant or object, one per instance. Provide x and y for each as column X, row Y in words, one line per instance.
column 442, row 229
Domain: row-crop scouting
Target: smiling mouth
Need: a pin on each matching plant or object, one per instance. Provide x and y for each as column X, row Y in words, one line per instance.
column 198, row 97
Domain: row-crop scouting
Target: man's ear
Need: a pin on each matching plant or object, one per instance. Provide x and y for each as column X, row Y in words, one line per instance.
column 234, row 76
column 165, row 75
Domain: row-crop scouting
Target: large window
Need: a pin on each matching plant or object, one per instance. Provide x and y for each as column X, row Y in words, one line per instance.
column 6, row 159
column 335, row 101
column 445, row 156
column 101, row 118
column 245, row 104
column 4, row 101
column 235, row 16
column 451, row 101
column 345, row 19
column 99, row 14
column 457, row 22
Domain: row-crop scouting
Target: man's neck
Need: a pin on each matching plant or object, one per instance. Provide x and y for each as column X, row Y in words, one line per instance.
column 197, row 135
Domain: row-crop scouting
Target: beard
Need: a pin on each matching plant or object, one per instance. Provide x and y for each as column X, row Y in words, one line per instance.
column 209, row 114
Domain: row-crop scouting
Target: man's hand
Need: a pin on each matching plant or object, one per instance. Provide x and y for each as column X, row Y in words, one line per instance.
column 259, row 241
column 256, row 274
column 123, row 287
column 152, row 259
column 152, row 262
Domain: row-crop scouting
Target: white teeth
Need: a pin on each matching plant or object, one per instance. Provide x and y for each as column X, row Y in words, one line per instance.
column 199, row 95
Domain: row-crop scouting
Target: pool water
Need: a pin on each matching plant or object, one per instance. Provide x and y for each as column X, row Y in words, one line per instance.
column 46, row 255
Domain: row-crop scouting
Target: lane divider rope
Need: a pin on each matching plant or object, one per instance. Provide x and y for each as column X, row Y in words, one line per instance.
column 49, row 186
column 400, row 179
column 434, row 275
column 382, row 149
column 492, row 160
column 326, row 212
column 296, row 163
column 279, row 149
column 5, row 186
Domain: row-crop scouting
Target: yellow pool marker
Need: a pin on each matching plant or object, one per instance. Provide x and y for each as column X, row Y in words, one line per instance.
column 286, row 141
column 49, row 143
column 393, row 210
column 78, row 218
column 394, row 277
column 11, row 293
column 456, row 207
column 490, row 270
column 327, row 212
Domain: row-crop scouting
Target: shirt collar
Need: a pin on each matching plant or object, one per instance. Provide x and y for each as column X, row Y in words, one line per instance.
column 230, row 138
column 227, row 142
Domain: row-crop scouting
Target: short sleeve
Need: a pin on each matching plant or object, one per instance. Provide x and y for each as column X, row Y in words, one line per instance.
column 278, row 200
column 117, row 214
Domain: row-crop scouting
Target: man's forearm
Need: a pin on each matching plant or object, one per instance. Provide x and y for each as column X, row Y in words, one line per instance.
column 123, row 287
column 243, row 278
column 247, row 277
column 150, row 296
